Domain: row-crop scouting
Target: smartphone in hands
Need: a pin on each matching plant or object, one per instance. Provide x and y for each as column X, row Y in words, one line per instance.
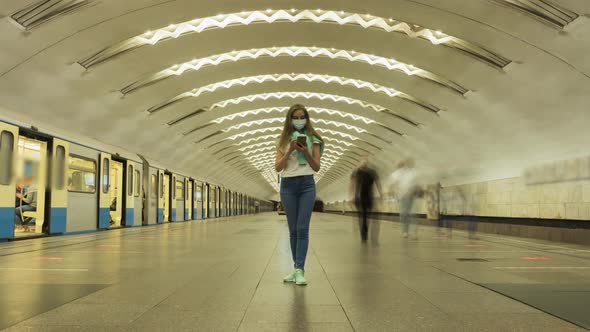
column 302, row 140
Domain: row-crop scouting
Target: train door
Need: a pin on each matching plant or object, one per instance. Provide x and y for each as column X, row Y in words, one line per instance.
column 229, row 203
column 221, row 202
column 166, row 197
column 213, row 203
column 151, row 191
column 29, row 172
column 205, row 201
column 139, row 200
column 132, row 202
column 188, row 201
column 198, row 200
column 104, row 197
column 161, row 197
column 8, row 146
column 177, row 190
column 116, row 194
column 59, row 187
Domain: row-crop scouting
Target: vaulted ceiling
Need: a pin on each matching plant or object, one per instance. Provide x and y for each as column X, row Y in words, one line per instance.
column 473, row 90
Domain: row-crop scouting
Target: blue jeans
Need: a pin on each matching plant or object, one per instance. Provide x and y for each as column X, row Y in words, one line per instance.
column 298, row 198
column 17, row 214
column 407, row 219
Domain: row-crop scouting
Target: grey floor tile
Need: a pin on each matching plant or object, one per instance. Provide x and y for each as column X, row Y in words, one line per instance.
column 468, row 302
column 82, row 314
column 291, row 327
column 167, row 318
column 261, row 314
column 515, row 322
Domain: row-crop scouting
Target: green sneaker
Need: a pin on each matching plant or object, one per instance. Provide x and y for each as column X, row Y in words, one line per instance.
column 290, row 277
column 300, row 278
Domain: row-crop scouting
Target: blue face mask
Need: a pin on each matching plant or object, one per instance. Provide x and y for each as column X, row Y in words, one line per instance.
column 299, row 123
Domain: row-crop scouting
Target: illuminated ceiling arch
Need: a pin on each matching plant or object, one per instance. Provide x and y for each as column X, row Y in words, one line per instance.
column 338, row 148
column 316, row 121
column 294, row 95
column 339, row 144
column 309, row 77
column 283, row 110
column 293, row 51
column 255, row 132
column 311, row 109
column 221, row 21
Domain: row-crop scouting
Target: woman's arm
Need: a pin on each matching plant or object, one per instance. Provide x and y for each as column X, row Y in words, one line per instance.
column 281, row 158
column 313, row 158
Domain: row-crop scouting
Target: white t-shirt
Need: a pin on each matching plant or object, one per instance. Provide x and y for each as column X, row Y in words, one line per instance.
column 292, row 167
column 403, row 181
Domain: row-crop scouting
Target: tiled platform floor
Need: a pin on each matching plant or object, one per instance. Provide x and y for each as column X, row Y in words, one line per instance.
column 225, row 275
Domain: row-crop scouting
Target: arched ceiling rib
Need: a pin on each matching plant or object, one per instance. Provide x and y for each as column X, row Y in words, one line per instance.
column 273, row 52
column 301, row 95
column 293, row 15
column 309, row 77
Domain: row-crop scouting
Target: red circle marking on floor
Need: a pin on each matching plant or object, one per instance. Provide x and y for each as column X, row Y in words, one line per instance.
column 48, row 258
column 476, row 245
column 536, row 258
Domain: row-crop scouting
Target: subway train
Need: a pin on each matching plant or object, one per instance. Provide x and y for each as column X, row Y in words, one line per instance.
column 88, row 186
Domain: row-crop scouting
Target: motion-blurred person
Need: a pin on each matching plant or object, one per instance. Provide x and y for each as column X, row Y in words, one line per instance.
column 298, row 157
column 405, row 188
column 28, row 202
column 445, row 225
column 363, row 181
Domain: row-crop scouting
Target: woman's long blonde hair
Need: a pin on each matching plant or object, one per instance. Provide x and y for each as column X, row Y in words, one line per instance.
column 288, row 128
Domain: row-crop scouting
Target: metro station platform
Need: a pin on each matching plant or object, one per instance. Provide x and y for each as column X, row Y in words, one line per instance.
column 226, row 275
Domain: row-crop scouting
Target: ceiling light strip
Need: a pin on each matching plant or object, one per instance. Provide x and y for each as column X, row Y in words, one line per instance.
column 295, row 95
column 284, row 110
column 221, row 21
column 293, row 51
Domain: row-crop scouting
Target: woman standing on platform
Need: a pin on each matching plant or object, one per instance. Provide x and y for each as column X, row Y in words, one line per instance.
column 298, row 157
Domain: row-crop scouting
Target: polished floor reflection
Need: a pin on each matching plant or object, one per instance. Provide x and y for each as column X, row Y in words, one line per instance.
column 226, row 275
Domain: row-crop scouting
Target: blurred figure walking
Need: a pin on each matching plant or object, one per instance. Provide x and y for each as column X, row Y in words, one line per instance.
column 363, row 181
column 404, row 186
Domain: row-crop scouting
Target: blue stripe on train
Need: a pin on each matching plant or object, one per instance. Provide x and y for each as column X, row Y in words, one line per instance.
column 129, row 215
column 173, row 215
column 186, row 214
column 104, row 218
column 58, row 219
column 160, row 216
column 196, row 214
column 6, row 222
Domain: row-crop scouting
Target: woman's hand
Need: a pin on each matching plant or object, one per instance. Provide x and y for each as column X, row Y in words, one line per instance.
column 299, row 147
column 293, row 146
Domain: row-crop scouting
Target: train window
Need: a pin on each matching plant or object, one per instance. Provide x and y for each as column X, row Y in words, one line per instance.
column 105, row 174
column 161, row 185
column 60, row 167
column 137, row 183
column 81, row 175
column 6, row 155
column 130, row 180
column 154, row 186
column 199, row 193
column 179, row 190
